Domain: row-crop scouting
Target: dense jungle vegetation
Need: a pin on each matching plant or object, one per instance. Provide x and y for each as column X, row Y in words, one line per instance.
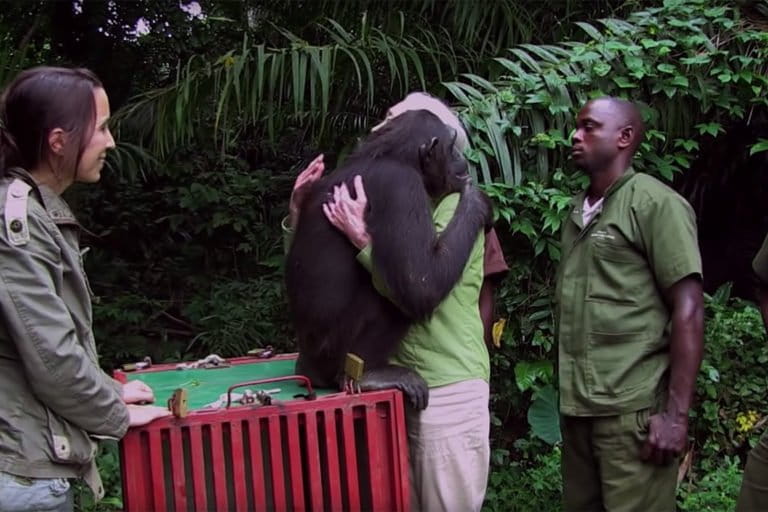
column 219, row 104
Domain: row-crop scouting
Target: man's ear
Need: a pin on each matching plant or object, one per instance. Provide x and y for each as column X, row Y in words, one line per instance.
column 426, row 150
column 626, row 136
column 57, row 139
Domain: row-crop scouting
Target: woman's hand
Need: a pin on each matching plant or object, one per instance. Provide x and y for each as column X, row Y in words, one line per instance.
column 304, row 181
column 347, row 214
column 139, row 415
column 135, row 392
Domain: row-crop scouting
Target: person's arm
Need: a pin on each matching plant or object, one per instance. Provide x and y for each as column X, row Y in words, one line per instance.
column 301, row 188
column 668, row 231
column 760, row 267
column 762, row 302
column 668, row 430
column 62, row 376
column 487, row 309
column 494, row 269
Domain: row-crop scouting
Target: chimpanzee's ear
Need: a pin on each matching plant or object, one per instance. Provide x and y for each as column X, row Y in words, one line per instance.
column 427, row 149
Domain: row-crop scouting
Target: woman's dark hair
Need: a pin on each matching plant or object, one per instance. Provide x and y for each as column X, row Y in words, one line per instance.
column 42, row 99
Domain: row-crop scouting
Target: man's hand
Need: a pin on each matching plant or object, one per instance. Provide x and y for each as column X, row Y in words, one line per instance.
column 347, row 214
column 135, row 392
column 142, row 414
column 667, row 438
column 304, row 181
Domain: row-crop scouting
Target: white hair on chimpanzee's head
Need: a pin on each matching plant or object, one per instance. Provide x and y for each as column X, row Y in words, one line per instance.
column 423, row 101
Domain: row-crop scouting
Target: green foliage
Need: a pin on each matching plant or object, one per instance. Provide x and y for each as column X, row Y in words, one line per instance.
column 733, row 378
column 236, row 316
column 707, row 70
column 544, row 415
column 330, row 67
column 716, row 487
column 108, row 461
column 534, row 485
column 187, row 261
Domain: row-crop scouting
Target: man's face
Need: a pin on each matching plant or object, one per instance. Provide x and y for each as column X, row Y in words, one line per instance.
column 595, row 142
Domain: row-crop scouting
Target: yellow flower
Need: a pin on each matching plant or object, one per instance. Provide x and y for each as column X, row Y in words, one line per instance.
column 745, row 421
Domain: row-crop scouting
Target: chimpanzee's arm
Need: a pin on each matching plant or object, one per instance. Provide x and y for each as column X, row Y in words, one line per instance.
column 418, row 266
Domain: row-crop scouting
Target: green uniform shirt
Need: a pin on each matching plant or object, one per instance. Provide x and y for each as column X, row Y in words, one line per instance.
column 612, row 323
column 449, row 347
column 760, row 263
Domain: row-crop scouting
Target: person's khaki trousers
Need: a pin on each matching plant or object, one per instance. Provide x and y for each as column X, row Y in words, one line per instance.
column 450, row 449
column 602, row 470
column 754, row 485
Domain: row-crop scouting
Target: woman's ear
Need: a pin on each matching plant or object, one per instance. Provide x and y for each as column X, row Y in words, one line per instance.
column 57, row 139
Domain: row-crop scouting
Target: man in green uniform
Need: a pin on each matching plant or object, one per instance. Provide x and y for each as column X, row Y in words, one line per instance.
column 754, row 487
column 629, row 320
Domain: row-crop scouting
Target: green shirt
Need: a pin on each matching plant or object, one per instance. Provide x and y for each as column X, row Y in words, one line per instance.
column 612, row 322
column 760, row 263
column 449, row 347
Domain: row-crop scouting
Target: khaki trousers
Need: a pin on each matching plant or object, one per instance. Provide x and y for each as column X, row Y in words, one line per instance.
column 754, row 486
column 450, row 449
column 602, row 469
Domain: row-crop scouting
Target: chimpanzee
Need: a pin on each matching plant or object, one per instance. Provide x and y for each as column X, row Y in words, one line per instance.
column 405, row 165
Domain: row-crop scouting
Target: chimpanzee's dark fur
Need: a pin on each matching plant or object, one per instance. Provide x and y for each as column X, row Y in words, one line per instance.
column 334, row 305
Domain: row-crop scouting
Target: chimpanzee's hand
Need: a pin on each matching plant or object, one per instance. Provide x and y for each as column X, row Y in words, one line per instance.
column 406, row 380
column 479, row 204
column 301, row 187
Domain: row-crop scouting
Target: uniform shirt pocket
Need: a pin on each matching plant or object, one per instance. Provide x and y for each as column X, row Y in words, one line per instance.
column 614, row 363
column 617, row 271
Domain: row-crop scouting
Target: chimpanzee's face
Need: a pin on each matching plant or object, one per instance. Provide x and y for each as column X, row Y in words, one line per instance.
column 444, row 168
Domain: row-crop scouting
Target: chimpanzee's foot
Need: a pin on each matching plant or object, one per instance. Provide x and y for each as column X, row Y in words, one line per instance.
column 404, row 379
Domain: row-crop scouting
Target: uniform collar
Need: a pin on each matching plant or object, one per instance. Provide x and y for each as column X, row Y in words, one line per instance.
column 578, row 200
column 577, row 203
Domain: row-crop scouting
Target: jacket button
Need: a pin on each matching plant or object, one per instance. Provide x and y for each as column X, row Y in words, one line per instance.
column 16, row 226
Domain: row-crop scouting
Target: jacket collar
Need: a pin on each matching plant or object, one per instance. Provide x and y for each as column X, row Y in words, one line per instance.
column 57, row 208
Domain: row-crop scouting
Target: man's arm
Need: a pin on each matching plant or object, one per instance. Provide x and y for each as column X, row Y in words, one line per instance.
column 668, row 430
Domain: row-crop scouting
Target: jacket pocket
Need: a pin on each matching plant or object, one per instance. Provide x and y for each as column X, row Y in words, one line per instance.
column 68, row 444
column 615, row 364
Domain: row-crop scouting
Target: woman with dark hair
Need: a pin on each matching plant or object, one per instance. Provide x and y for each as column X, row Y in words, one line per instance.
column 55, row 398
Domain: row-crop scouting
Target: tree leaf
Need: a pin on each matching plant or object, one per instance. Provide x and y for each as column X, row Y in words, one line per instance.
column 760, row 146
column 544, row 415
column 527, row 373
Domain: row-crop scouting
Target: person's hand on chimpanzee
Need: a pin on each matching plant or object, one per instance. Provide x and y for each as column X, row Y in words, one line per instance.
column 347, row 214
column 302, row 186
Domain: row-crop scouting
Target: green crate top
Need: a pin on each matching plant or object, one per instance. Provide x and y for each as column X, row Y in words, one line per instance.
column 205, row 386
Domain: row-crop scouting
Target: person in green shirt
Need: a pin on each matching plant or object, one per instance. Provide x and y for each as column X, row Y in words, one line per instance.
column 449, row 440
column 754, row 487
column 629, row 322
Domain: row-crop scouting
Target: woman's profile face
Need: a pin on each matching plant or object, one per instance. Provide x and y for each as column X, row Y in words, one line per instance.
column 92, row 159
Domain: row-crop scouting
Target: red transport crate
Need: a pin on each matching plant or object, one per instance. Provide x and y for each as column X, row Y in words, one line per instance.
column 336, row 452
